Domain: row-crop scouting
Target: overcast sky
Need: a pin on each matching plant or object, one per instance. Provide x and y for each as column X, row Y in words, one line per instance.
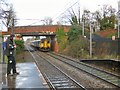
column 39, row 9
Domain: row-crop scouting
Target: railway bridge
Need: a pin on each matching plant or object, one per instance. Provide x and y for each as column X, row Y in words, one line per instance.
column 39, row 30
column 36, row 29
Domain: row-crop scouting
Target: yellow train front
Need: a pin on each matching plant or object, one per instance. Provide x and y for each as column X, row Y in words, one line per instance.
column 45, row 45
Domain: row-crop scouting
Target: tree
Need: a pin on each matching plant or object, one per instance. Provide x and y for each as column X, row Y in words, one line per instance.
column 104, row 18
column 61, row 38
column 108, row 19
column 60, row 34
column 86, row 18
column 7, row 14
column 47, row 21
column 96, row 18
column 86, row 14
column 74, row 18
column 74, row 32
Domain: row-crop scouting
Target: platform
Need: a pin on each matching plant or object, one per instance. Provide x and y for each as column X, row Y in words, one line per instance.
column 29, row 77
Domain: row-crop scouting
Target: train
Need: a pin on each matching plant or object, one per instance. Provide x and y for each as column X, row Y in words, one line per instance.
column 43, row 44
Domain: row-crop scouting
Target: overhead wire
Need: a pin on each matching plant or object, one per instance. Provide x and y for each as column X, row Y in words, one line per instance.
column 66, row 10
column 53, row 19
column 60, row 11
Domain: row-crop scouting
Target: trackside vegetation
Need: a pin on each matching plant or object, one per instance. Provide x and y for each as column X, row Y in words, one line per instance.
column 20, row 46
column 73, row 43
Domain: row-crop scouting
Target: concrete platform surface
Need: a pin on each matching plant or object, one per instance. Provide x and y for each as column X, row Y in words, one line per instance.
column 29, row 77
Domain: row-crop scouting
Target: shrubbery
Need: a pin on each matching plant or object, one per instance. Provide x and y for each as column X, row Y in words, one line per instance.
column 73, row 43
column 61, row 38
column 20, row 46
column 78, row 48
column 74, row 32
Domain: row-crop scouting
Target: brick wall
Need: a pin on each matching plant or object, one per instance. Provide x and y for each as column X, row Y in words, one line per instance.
column 41, row 28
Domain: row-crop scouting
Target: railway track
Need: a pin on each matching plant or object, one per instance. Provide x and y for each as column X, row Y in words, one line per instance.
column 107, row 77
column 55, row 77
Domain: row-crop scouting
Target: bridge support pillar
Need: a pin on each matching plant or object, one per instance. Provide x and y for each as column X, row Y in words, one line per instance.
column 56, row 47
column 54, row 44
column 37, row 37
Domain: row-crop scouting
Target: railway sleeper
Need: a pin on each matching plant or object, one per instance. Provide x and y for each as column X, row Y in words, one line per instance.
column 105, row 78
column 64, row 84
column 56, row 82
column 67, row 87
column 59, row 79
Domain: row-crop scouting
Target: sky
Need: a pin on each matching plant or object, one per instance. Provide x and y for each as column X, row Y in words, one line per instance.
column 37, row 10
column 32, row 12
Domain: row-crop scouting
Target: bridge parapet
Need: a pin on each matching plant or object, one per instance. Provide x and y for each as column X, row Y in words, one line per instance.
column 39, row 29
column 38, row 34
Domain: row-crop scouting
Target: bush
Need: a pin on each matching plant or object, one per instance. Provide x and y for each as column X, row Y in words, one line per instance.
column 74, row 32
column 60, row 34
column 63, row 43
column 20, row 46
column 78, row 48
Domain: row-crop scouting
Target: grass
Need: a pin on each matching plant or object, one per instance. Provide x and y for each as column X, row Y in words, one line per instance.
column 5, row 59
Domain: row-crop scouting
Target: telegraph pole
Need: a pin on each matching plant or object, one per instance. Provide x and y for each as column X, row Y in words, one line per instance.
column 90, row 40
column 1, row 51
column 119, row 29
column 119, row 19
column 83, row 30
column 12, row 26
column 91, row 31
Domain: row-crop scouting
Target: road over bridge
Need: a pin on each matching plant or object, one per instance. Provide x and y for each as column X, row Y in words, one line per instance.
column 37, row 29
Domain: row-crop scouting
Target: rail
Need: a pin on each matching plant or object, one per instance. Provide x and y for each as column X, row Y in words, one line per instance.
column 108, row 77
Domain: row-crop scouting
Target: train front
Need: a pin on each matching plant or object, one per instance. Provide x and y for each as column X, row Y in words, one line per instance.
column 45, row 45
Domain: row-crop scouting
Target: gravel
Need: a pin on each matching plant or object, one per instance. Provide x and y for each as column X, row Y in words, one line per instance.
column 86, row 80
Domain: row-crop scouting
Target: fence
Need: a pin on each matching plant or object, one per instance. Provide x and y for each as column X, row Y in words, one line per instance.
column 106, row 47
